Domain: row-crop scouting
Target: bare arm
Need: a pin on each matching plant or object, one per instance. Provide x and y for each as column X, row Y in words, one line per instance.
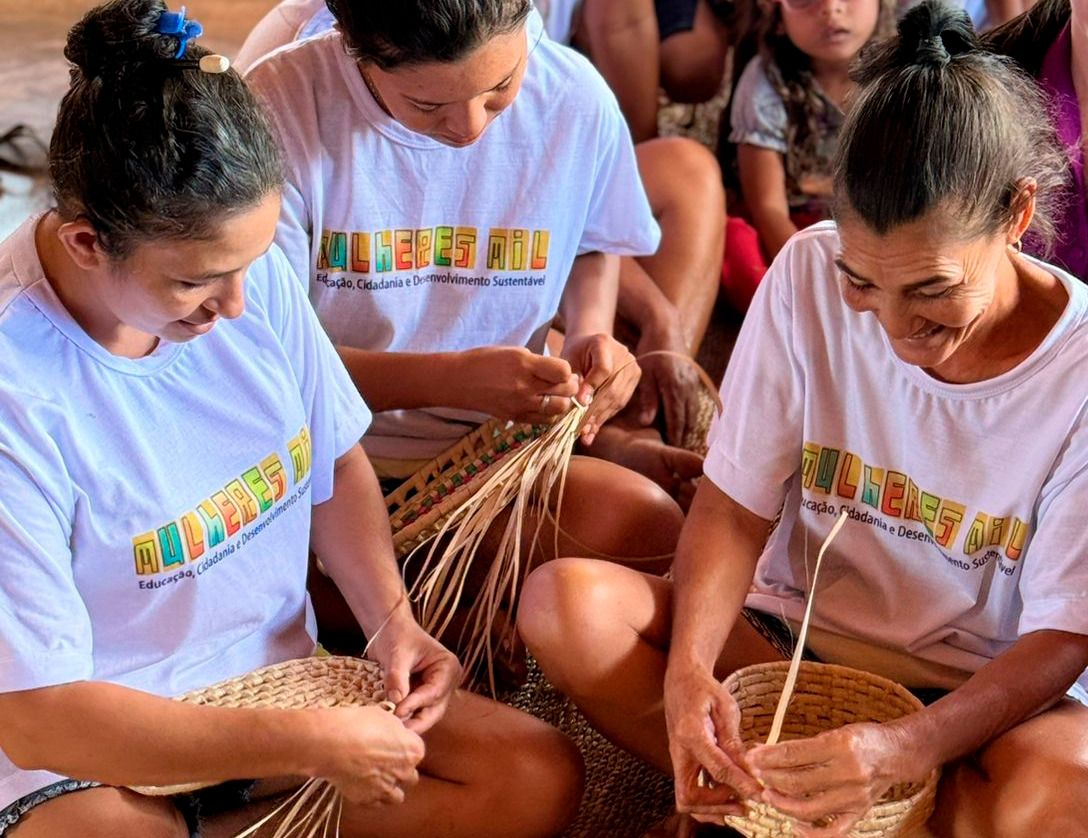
column 351, row 536
column 588, row 309
column 714, row 566
column 122, row 736
column 1031, row 676
column 843, row 772
column 763, row 182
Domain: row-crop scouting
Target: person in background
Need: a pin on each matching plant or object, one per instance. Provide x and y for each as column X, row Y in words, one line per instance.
column 787, row 111
column 1049, row 42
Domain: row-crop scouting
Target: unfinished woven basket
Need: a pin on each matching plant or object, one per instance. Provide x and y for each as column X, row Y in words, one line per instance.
column 828, row 697
column 291, row 685
column 420, row 505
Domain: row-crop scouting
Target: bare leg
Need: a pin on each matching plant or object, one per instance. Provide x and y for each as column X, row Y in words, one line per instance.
column 1030, row 782
column 103, row 813
column 621, row 37
column 600, row 634
column 693, row 62
column 684, row 185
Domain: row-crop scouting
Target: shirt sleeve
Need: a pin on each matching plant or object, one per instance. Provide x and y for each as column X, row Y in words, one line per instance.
column 45, row 629
column 1054, row 579
column 338, row 416
column 758, row 115
column 755, row 444
column 619, row 219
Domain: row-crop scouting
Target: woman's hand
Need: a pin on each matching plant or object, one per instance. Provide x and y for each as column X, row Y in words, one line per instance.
column 510, row 382
column 830, row 781
column 669, row 382
column 420, row 673
column 704, row 741
column 367, row 753
column 598, row 358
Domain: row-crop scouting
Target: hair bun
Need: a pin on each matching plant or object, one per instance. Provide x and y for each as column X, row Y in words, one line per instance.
column 119, row 38
column 933, row 33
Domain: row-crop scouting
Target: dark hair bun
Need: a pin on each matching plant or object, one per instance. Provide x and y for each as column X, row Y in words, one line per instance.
column 933, row 33
column 118, row 39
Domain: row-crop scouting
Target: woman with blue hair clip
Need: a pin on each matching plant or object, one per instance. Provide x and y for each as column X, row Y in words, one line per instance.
column 175, row 431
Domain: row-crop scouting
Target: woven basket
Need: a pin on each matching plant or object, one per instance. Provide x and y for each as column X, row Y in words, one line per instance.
column 828, row 697
column 420, row 505
column 292, row 685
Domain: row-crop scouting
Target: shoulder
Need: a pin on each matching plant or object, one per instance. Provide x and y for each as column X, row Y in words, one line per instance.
column 803, row 276
column 286, row 22
column 758, row 114
column 562, row 83
column 298, row 70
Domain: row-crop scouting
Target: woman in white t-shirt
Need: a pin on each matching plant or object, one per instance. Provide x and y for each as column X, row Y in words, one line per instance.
column 175, row 428
column 456, row 180
column 911, row 368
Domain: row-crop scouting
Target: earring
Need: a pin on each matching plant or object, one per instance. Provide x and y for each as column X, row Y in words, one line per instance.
column 1017, row 245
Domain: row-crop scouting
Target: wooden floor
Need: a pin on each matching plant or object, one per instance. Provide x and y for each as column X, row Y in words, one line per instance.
column 34, row 74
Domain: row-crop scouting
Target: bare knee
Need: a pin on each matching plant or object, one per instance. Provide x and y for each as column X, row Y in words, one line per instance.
column 551, row 604
column 103, row 813
column 546, row 777
column 567, row 607
column 1022, row 786
column 680, row 173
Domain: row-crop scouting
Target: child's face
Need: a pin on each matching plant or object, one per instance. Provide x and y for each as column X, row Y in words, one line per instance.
column 830, row 32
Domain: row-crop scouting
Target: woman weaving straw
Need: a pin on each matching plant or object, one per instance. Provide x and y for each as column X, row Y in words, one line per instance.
column 909, row 365
column 173, row 422
column 455, row 181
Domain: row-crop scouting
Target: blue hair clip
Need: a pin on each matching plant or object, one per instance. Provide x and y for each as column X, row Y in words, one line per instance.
column 174, row 23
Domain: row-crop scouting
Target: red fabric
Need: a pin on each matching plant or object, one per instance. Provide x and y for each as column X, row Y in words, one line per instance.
column 745, row 261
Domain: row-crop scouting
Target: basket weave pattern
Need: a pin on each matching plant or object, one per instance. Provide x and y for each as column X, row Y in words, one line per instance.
column 292, row 685
column 420, row 505
column 828, row 697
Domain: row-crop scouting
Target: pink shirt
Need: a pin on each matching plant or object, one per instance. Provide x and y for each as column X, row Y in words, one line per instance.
column 1056, row 79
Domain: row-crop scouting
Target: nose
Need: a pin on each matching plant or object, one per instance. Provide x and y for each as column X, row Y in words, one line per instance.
column 469, row 121
column 898, row 320
column 230, row 302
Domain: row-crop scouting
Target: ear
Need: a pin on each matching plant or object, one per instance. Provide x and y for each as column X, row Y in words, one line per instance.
column 1023, row 209
column 80, row 240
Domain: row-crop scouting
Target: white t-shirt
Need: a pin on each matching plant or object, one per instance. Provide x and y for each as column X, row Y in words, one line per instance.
column 413, row 246
column 967, row 500
column 290, row 20
column 155, row 513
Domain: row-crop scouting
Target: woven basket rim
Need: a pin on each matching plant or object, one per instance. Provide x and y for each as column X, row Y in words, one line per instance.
column 886, row 817
column 315, row 670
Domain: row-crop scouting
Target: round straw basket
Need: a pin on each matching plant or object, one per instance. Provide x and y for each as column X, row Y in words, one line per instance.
column 828, row 697
column 291, row 685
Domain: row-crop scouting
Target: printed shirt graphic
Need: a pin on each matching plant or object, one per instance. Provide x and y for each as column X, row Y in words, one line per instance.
column 966, row 500
column 412, row 246
column 155, row 513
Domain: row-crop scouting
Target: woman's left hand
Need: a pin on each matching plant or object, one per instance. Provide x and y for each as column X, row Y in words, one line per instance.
column 829, row 782
column 597, row 358
column 420, row 673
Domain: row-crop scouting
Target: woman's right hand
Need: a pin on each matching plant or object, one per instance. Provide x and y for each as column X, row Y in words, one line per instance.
column 703, row 722
column 510, row 382
column 367, row 754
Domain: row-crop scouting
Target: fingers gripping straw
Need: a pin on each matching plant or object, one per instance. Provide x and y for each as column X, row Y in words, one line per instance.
column 703, row 780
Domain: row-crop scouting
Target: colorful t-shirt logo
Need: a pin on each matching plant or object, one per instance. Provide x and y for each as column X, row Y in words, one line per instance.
column 246, row 503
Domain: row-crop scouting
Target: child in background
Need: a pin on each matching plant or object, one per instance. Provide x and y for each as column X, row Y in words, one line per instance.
column 786, row 115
